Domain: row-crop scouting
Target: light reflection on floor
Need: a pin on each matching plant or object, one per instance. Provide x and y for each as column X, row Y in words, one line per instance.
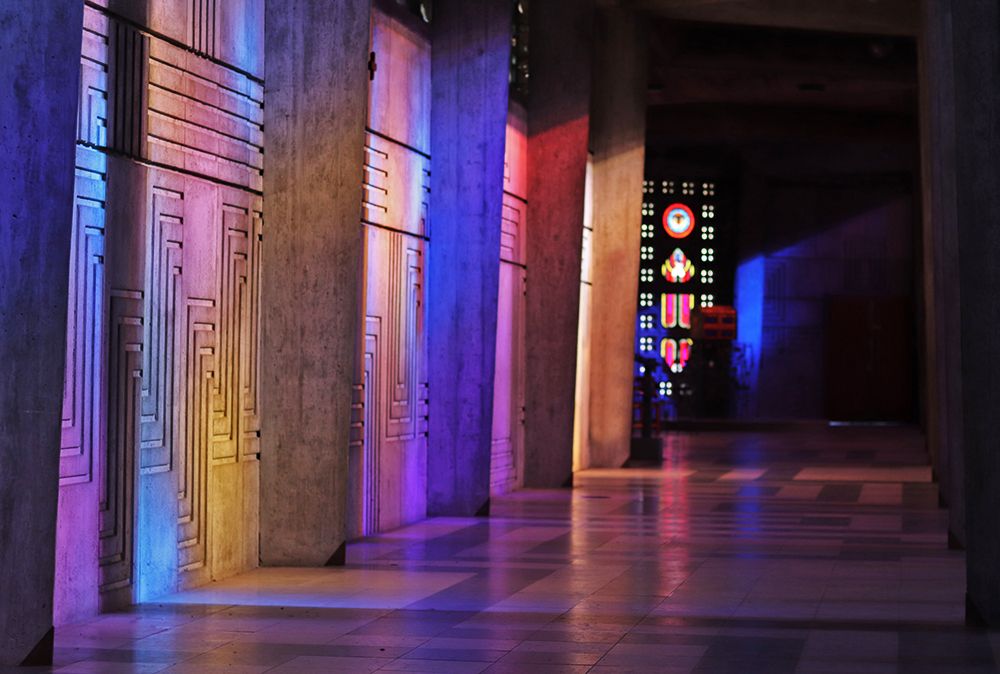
column 802, row 552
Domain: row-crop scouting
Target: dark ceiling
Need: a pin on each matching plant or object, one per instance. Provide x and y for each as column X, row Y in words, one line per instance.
column 698, row 64
column 726, row 83
column 871, row 17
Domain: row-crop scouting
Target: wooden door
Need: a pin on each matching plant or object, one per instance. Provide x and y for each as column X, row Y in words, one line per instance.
column 388, row 454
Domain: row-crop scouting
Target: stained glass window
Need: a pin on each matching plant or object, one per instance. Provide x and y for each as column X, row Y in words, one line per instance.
column 683, row 266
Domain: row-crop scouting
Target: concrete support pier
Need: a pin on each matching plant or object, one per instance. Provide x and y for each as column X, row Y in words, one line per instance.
column 40, row 77
column 468, row 127
column 558, row 133
column 314, row 112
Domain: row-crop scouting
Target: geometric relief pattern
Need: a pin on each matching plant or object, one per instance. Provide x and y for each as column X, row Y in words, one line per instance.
column 200, row 311
column 128, row 75
column 163, row 319
column 372, row 458
column 204, row 118
column 92, row 113
column 192, row 469
column 389, row 472
column 235, row 313
column 203, row 26
column 81, row 421
column 506, row 460
column 117, row 470
column 150, row 99
column 406, row 298
column 396, row 187
column 83, row 408
column 512, row 235
column 394, row 389
column 240, row 296
column 164, row 268
column 218, row 314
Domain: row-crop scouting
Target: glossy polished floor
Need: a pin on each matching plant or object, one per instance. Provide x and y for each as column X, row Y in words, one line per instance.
column 819, row 551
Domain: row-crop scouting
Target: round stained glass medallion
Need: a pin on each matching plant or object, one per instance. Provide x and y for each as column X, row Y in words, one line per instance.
column 678, row 220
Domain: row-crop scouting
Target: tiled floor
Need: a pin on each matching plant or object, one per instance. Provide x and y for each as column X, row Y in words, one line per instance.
column 796, row 552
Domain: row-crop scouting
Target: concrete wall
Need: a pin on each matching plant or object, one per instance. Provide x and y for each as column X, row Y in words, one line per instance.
column 976, row 42
column 617, row 139
column 158, row 462
column 558, row 132
column 36, row 194
column 315, row 116
column 468, row 123
column 822, row 240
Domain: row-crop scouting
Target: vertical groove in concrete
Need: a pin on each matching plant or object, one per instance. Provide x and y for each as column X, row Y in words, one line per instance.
column 471, row 54
column 558, row 128
column 315, row 105
column 943, row 360
column 41, row 79
column 618, row 141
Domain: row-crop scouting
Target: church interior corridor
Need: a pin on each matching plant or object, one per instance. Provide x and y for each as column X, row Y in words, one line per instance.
column 811, row 550
column 507, row 336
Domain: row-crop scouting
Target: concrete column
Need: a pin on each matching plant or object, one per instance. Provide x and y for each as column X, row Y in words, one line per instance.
column 558, row 127
column 976, row 31
column 471, row 52
column 315, row 104
column 40, row 79
column 618, row 142
column 943, row 359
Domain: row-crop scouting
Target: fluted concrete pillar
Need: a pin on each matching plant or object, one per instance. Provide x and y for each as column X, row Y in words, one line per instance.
column 471, row 52
column 618, row 143
column 40, row 80
column 314, row 113
column 976, row 40
column 558, row 127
